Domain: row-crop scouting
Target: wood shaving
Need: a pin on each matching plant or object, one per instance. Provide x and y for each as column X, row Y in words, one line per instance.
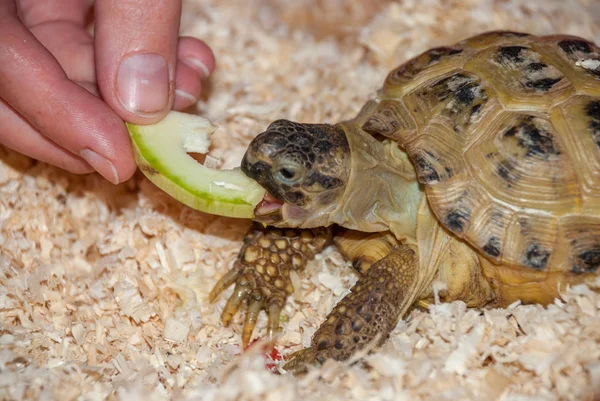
column 104, row 289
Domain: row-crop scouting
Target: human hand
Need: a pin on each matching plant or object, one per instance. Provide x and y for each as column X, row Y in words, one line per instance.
column 65, row 93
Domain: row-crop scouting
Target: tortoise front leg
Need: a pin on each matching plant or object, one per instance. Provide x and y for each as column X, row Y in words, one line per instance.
column 368, row 314
column 262, row 273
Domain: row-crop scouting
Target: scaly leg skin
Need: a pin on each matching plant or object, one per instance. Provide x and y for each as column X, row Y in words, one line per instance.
column 262, row 273
column 369, row 313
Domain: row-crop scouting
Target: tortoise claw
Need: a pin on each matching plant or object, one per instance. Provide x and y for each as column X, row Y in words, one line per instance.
column 224, row 283
column 233, row 304
column 250, row 323
column 273, row 323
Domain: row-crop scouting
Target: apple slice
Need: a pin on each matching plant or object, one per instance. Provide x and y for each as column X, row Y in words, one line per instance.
column 161, row 153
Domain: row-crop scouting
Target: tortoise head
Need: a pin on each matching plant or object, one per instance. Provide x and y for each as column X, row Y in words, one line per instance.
column 303, row 167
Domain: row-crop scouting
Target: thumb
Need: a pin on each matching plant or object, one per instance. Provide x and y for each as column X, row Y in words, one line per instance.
column 136, row 55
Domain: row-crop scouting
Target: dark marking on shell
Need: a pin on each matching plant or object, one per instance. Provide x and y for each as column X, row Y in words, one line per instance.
column 426, row 172
column 460, row 86
column 456, row 220
column 420, row 63
column 531, row 67
column 592, row 110
column 536, row 140
column 512, row 131
column 437, row 53
column 588, row 261
column 544, row 84
column 339, row 344
column 536, row 257
column 475, row 110
column 492, row 247
column 465, row 94
column 511, row 54
column 571, row 46
column 504, row 170
column 323, row 344
column 498, row 218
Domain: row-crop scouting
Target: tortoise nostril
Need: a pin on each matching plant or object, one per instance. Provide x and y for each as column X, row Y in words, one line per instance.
column 248, row 164
column 249, row 157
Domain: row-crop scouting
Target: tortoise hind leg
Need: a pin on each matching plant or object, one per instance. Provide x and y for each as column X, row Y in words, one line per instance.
column 368, row 314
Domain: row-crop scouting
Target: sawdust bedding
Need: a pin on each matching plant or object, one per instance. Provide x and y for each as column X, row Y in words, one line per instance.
column 104, row 289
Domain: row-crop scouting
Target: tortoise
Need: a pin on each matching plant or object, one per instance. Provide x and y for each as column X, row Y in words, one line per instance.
column 477, row 164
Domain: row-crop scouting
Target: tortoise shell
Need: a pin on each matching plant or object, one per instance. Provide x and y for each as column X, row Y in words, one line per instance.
column 504, row 132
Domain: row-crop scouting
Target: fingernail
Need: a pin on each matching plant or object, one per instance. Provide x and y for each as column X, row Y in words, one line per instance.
column 143, row 84
column 101, row 165
column 194, row 62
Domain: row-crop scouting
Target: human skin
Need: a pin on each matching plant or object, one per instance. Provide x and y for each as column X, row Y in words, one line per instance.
column 64, row 93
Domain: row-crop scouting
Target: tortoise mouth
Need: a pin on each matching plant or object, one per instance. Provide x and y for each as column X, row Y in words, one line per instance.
column 268, row 205
column 275, row 212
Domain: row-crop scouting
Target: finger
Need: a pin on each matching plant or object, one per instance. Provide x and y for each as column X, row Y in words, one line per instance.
column 35, row 12
column 195, row 61
column 59, row 25
column 188, row 87
column 34, row 84
column 197, row 55
column 18, row 135
column 250, row 322
column 136, row 56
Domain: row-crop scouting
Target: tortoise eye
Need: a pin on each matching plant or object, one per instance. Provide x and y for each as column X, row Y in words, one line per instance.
column 290, row 174
column 287, row 173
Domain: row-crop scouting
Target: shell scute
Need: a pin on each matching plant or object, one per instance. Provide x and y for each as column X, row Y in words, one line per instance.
column 582, row 234
column 450, row 106
column 389, row 118
column 578, row 59
column 531, row 240
column 523, row 77
column 578, row 122
column 488, row 228
column 520, row 161
column 429, row 64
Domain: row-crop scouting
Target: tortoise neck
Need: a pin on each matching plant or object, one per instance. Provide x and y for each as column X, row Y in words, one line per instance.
column 382, row 191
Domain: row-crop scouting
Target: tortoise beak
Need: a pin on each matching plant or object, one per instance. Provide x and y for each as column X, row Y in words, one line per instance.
column 268, row 205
